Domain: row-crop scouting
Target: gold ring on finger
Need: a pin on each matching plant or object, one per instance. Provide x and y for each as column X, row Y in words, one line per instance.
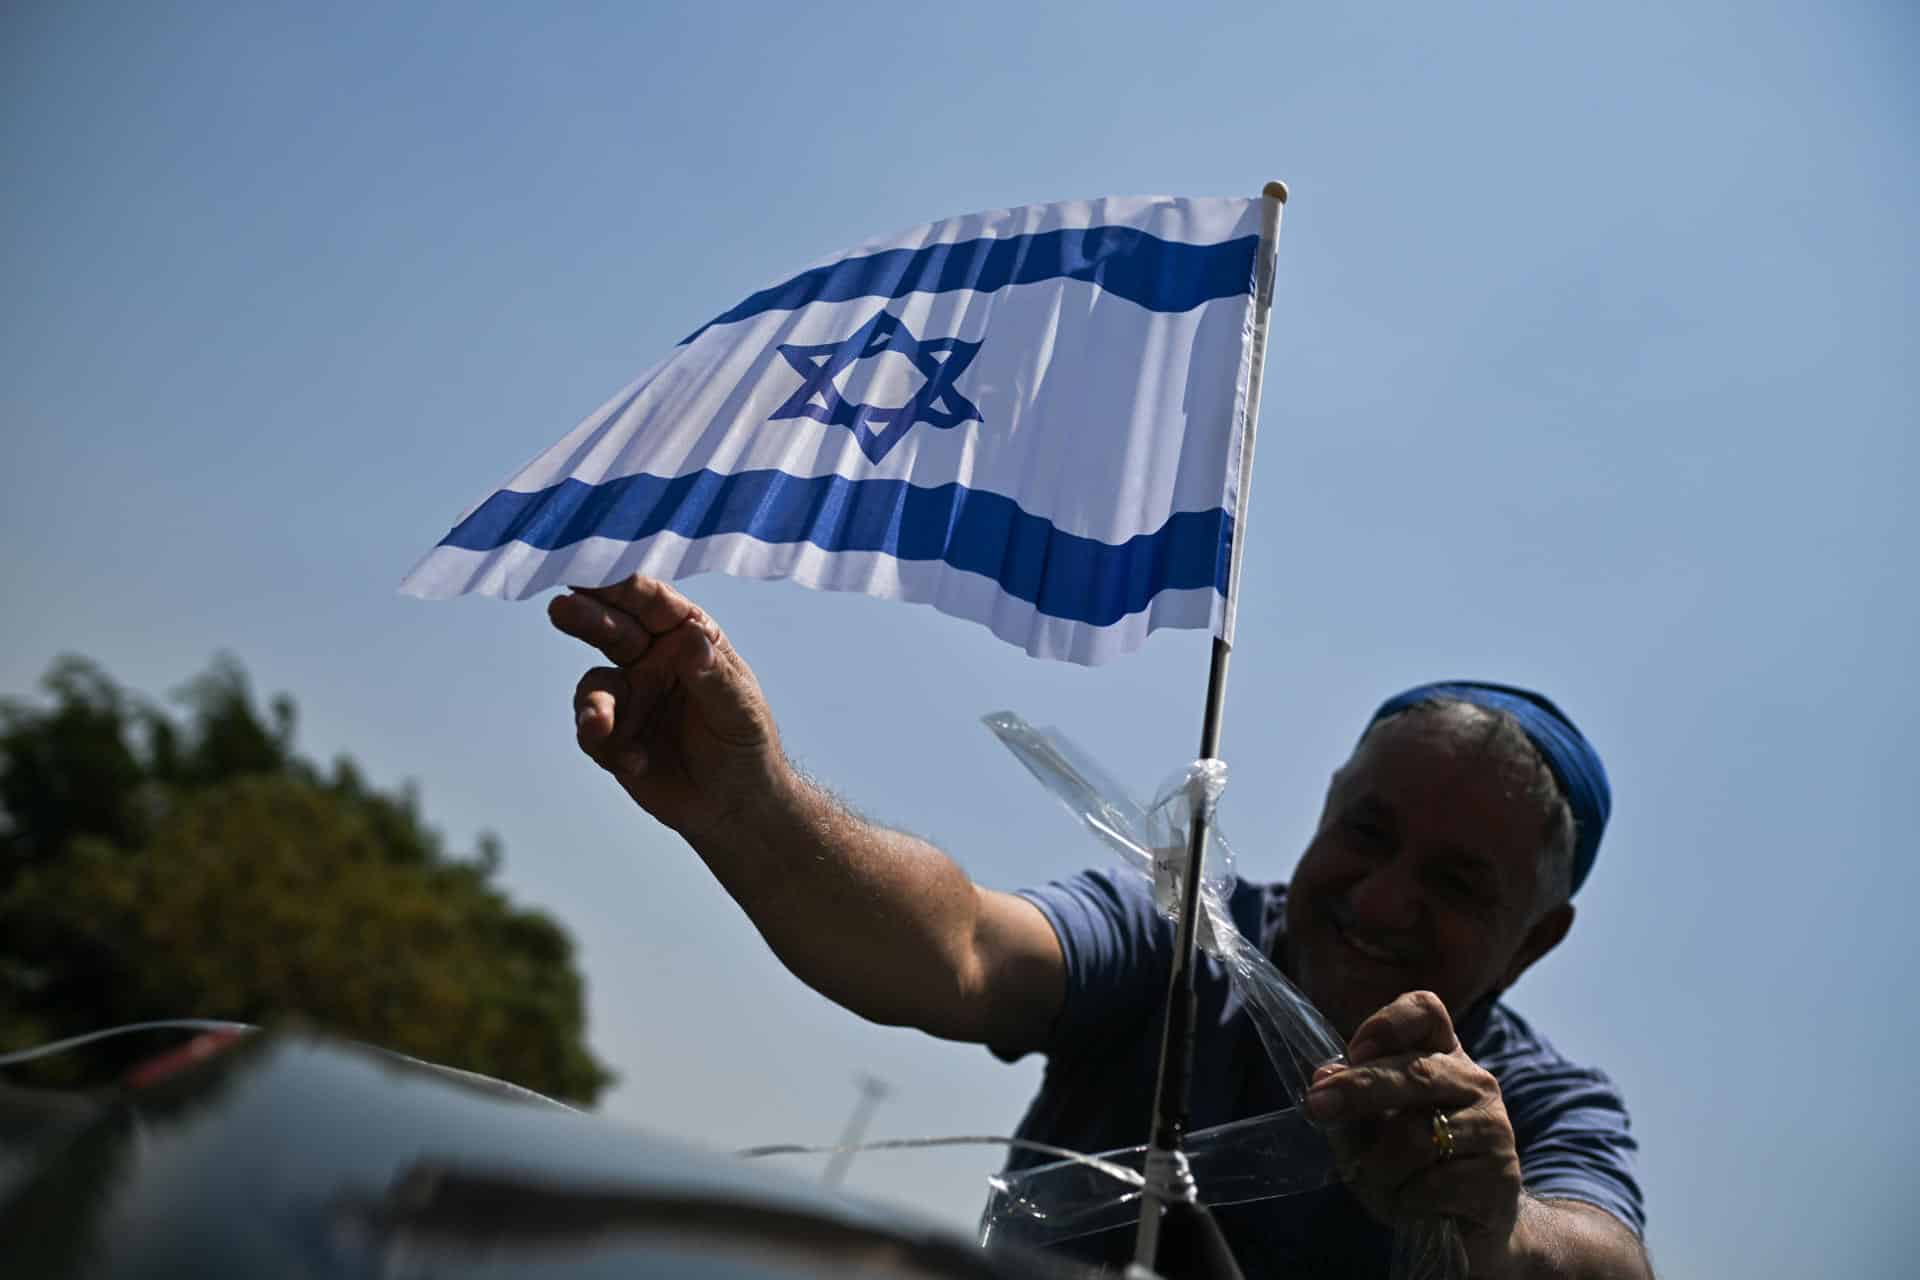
column 1442, row 1135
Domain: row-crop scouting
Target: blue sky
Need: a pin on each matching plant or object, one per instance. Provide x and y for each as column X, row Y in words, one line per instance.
column 1590, row 369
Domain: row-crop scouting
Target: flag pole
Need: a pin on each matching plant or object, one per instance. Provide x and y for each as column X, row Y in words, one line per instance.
column 1170, row 1203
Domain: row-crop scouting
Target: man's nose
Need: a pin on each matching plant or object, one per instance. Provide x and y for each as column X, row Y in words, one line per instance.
column 1387, row 898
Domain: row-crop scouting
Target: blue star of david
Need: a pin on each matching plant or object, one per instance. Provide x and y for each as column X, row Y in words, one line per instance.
column 936, row 403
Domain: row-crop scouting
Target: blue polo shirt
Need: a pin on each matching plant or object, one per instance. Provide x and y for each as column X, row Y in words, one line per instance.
column 1569, row 1122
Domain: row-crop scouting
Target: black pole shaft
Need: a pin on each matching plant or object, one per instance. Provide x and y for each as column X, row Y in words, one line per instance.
column 1170, row 1102
column 1167, row 1180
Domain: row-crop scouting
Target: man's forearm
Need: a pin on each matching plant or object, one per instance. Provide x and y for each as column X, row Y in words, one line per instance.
column 1568, row 1239
column 875, row 920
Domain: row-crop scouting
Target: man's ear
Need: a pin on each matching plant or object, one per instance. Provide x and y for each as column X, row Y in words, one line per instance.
column 1543, row 937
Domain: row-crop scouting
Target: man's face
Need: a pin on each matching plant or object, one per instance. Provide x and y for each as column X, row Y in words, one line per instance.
column 1423, row 875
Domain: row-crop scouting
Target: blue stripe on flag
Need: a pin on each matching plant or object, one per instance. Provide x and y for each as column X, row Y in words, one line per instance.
column 1061, row 574
column 1160, row 275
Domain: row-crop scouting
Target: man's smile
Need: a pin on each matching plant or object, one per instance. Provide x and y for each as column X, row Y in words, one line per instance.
column 1374, row 951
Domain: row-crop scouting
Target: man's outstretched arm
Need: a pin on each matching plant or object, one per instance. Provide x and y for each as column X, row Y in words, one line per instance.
column 878, row 921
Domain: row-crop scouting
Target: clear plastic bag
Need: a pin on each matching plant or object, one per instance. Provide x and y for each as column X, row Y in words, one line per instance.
column 1259, row 1158
column 1153, row 841
column 1264, row 1157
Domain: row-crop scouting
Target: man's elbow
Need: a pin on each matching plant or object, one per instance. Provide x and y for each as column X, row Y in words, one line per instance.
column 1015, row 977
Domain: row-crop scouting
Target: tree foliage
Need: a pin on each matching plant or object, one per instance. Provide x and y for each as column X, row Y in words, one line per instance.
column 154, row 866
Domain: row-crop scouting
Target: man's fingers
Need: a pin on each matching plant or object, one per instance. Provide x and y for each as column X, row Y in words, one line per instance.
column 613, row 632
column 680, row 722
column 598, row 725
column 1402, row 1146
column 596, row 700
column 648, row 601
column 1424, row 1080
column 1417, row 1021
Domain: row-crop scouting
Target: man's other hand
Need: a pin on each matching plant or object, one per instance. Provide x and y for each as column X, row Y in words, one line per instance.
column 1420, row 1130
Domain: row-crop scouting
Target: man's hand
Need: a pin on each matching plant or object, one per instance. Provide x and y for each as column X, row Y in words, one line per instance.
column 879, row 921
column 1420, row 1130
column 678, row 718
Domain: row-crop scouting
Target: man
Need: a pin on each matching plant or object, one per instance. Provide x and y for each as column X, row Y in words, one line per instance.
column 1439, row 873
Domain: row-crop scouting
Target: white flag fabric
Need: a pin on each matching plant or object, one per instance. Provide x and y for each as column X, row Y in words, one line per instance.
column 1030, row 418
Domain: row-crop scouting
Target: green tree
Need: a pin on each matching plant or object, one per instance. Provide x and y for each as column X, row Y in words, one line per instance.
column 154, row 866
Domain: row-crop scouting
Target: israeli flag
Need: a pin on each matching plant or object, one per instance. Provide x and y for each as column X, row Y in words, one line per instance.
column 1031, row 418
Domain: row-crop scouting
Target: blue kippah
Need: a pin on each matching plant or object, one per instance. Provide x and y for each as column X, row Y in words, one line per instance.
column 1575, row 764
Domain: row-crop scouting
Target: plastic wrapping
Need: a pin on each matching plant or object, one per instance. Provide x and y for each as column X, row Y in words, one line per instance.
column 1259, row 1158
column 1264, row 1157
column 1153, row 841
